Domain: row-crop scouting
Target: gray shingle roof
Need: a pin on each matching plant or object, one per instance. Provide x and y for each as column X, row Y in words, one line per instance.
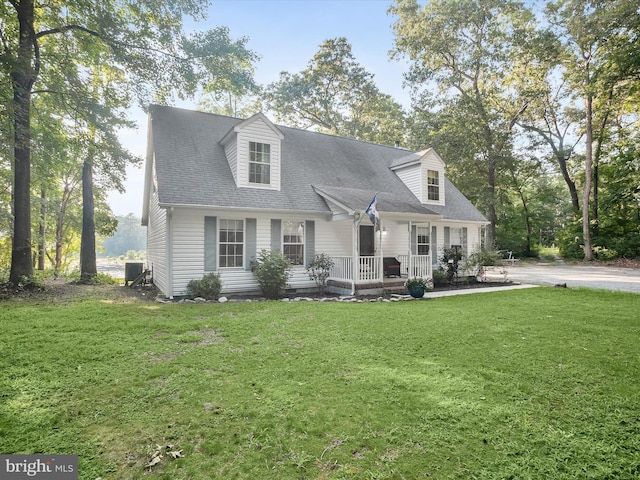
column 192, row 169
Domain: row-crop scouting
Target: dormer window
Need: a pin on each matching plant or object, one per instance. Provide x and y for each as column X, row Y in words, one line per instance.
column 254, row 151
column 259, row 163
column 433, row 185
column 423, row 173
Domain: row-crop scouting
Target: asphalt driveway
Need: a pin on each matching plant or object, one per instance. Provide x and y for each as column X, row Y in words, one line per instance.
column 592, row 276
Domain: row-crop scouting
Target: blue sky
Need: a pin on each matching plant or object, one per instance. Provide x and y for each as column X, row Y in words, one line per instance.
column 286, row 34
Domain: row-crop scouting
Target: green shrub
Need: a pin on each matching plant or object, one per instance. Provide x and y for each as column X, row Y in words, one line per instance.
column 208, row 287
column 450, row 261
column 439, row 278
column 603, row 253
column 319, row 270
column 481, row 257
column 98, row 279
column 570, row 241
column 627, row 245
column 272, row 271
column 34, row 283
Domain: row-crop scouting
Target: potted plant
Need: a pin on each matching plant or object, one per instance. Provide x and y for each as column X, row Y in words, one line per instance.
column 416, row 286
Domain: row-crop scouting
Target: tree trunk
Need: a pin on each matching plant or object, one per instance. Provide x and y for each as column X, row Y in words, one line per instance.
column 596, row 180
column 88, row 267
column 573, row 191
column 490, row 239
column 42, row 231
column 596, row 162
column 588, row 162
column 23, row 76
column 59, row 241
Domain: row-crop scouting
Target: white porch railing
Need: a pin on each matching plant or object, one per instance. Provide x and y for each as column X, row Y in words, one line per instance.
column 420, row 265
column 370, row 268
column 342, row 268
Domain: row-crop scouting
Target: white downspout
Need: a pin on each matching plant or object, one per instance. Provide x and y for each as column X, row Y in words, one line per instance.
column 170, row 253
column 410, row 259
column 380, row 272
column 354, row 254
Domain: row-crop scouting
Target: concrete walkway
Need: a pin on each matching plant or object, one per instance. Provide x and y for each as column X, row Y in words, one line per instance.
column 591, row 276
column 466, row 291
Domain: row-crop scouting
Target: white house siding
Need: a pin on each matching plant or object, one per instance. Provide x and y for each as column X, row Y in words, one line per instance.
column 331, row 237
column 412, row 177
column 187, row 242
column 334, row 238
column 187, row 239
column 157, row 243
column 395, row 238
column 257, row 132
column 231, row 151
column 431, row 161
column 473, row 237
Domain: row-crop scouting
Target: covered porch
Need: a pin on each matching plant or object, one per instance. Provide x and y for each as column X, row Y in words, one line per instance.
column 372, row 243
column 366, row 275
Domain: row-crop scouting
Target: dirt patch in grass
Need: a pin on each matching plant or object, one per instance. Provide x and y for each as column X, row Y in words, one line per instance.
column 209, row 337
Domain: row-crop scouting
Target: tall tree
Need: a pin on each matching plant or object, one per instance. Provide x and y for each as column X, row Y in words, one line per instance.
column 462, row 54
column 593, row 34
column 143, row 39
column 335, row 94
column 24, row 68
column 553, row 117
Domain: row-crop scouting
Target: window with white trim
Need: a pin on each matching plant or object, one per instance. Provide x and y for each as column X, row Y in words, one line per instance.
column 293, row 242
column 455, row 237
column 423, row 240
column 231, row 243
column 433, row 185
column 259, row 163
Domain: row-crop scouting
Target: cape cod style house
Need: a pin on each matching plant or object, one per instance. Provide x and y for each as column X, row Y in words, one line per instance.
column 218, row 190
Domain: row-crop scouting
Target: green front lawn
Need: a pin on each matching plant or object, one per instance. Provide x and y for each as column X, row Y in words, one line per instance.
column 529, row 384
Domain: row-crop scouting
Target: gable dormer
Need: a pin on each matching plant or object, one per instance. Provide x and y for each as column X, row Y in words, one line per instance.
column 253, row 149
column 423, row 173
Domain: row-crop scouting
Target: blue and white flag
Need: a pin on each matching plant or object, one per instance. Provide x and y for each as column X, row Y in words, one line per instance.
column 372, row 211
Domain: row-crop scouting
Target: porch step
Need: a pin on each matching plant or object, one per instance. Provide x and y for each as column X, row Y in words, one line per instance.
column 394, row 286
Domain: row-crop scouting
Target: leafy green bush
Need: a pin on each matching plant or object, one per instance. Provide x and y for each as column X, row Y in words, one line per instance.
column 98, row 279
column 319, row 270
column 35, row 283
column 272, row 271
column 570, row 242
column 439, row 278
column 208, row 287
column 627, row 245
column 603, row 253
column 481, row 257
column 450, row 261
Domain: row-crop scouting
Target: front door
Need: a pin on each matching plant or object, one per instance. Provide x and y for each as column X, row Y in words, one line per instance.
column 367, row 241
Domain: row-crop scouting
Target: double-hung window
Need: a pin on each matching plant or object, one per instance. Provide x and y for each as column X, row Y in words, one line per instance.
column 433, row 185
column 293, row 242
column 259, row 163
column 455, row 238
column 231, row 243
column 423, row 240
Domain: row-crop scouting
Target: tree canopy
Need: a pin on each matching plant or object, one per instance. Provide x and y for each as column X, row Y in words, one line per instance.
column 92, row 60
column 335, row 94
column 535, row 112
